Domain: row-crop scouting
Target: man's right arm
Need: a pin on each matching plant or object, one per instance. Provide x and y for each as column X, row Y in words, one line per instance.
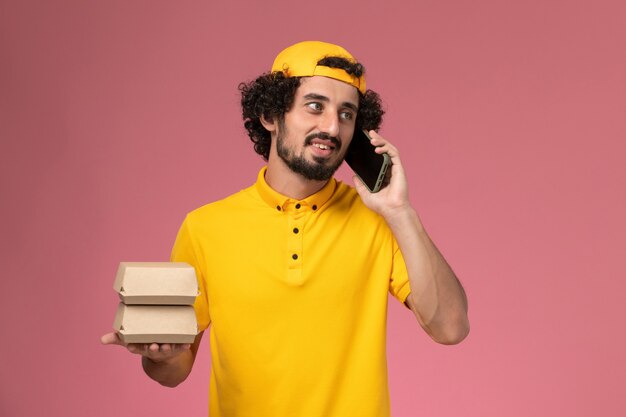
column 168, row 364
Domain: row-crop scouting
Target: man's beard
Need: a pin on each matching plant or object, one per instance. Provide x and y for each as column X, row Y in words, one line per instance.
column 319, row 170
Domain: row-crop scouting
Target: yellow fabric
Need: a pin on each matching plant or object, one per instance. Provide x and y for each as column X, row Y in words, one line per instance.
column 294, row 337
column 300, row 60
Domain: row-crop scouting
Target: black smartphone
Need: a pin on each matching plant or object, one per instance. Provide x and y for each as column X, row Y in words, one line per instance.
column 368, row 165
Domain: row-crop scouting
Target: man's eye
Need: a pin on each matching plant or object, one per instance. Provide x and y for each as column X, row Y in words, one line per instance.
column 347, row 115
column 315, row 106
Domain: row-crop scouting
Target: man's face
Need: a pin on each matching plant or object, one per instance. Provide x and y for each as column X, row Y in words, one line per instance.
column 314, row 134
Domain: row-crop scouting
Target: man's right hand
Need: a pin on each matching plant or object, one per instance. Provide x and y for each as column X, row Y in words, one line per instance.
column 153, row 351
column 169, row 363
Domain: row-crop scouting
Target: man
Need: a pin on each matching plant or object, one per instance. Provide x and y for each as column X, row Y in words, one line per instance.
column 294, row 271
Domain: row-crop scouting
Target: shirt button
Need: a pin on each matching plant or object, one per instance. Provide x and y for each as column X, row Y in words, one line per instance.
column 314, row 207
column 295, row 230
column 294, row 256
column 278, row 208
column 298, row 205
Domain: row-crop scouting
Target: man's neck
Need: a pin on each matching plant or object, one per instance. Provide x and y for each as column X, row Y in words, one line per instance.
column 288, row 183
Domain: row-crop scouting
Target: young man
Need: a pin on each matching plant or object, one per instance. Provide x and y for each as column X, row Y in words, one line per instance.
column 294, row 271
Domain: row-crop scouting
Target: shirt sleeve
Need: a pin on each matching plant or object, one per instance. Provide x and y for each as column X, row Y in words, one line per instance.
column 399, row 285
column 184, row 250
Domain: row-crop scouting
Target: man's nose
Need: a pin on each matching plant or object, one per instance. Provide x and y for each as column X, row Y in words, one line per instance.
column 329, row 123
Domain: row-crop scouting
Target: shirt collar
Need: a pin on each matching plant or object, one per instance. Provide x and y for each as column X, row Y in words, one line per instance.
column 280, row 202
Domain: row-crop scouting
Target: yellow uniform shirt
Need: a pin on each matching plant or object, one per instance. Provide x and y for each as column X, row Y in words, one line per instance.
column 296, row 295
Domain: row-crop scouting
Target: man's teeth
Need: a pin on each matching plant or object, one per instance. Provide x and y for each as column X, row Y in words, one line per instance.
column 321, row 146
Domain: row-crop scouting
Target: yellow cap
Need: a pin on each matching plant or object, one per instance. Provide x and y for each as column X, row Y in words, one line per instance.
column 300, row 60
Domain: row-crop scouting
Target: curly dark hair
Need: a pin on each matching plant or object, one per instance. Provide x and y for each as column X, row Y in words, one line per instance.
column 271, row 95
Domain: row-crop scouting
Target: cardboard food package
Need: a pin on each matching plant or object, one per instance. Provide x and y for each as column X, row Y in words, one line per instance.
column 156, row 283
column 155, row 323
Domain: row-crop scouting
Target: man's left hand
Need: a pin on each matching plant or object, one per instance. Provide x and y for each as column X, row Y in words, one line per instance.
column 394, row 197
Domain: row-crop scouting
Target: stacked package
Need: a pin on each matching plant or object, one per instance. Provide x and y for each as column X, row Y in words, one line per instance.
column 156, row 302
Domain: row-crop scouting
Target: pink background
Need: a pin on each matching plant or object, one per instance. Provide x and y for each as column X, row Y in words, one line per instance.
column 118, row 117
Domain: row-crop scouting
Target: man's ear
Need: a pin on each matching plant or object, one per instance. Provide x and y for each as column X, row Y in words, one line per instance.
column 269, row 123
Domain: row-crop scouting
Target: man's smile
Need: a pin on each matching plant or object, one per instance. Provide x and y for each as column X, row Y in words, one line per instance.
column 323, row 144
